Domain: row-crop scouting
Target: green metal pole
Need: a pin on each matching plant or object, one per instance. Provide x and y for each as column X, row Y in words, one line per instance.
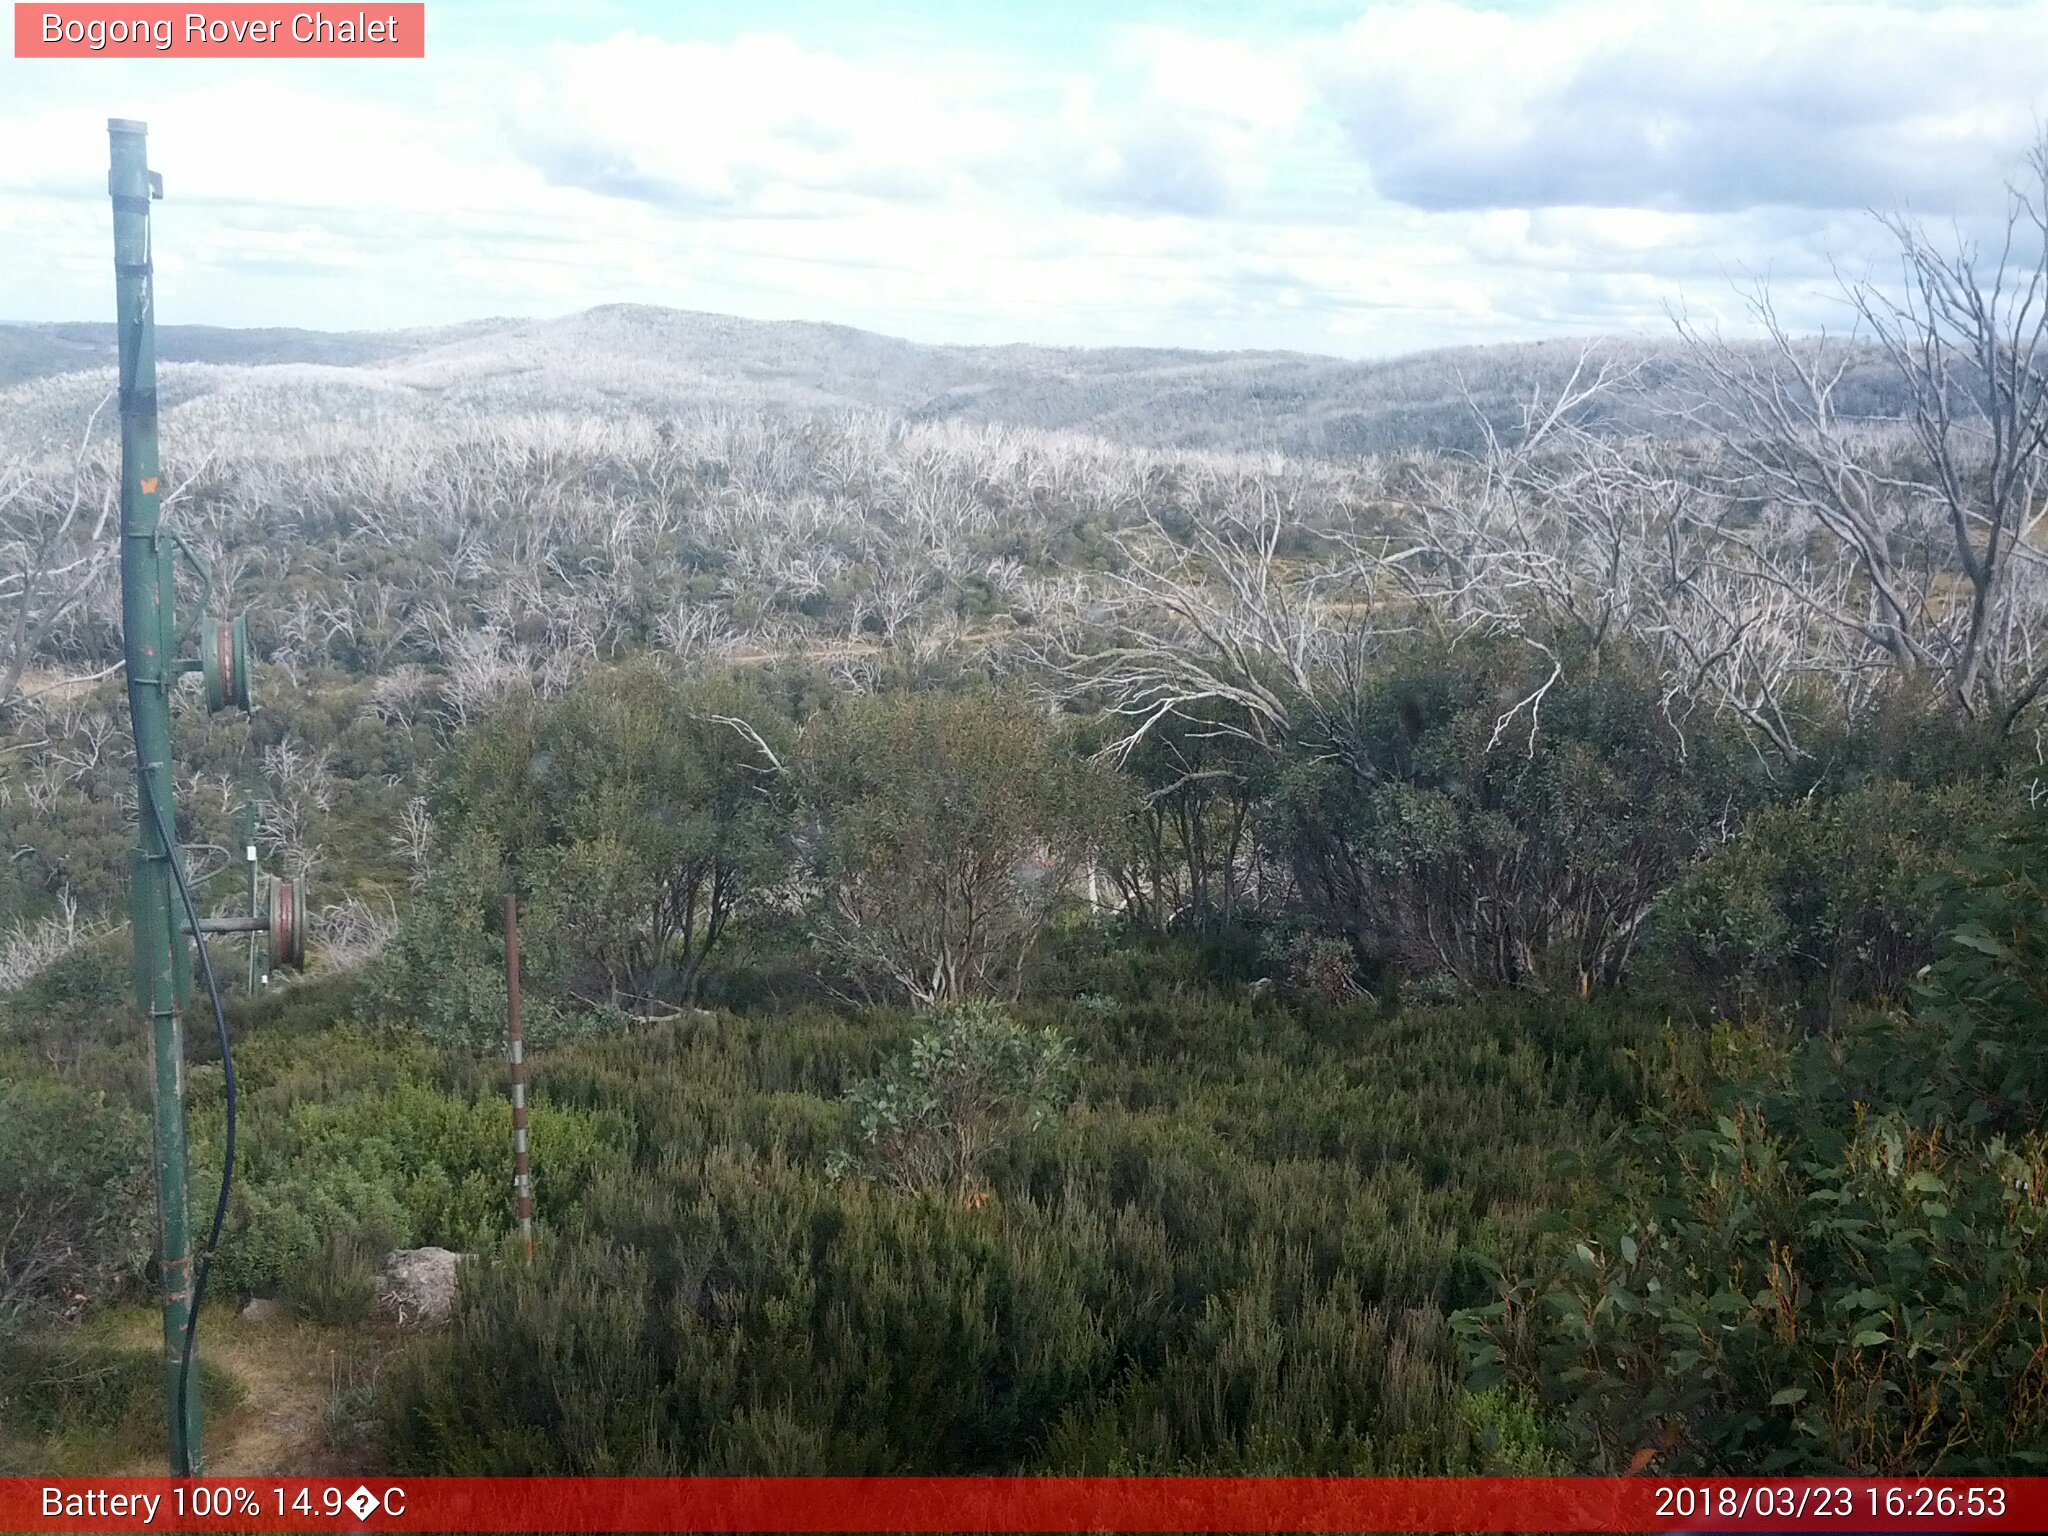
column 148, row 637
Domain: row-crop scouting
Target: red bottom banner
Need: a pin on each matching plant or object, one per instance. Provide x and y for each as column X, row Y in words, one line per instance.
column 1162, row 1504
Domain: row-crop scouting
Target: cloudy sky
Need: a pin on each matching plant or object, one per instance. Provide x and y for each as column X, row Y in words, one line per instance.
column 1359, row 178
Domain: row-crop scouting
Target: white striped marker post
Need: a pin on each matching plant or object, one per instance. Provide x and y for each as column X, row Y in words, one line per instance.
column 522, row 1180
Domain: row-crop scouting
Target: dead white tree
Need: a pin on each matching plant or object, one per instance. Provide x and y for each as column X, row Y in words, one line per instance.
column 53, row 552
column 400, row 696
column 27, row 948
column 413, row 842
column 483, row 666
column 1220, row 630
column 354, row 931
column 1563, row 536
column 1943, row 531
column 693, row 630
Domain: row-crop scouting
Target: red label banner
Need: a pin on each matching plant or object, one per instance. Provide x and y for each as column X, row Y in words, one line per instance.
column 1021, row 1504
column 238, row 31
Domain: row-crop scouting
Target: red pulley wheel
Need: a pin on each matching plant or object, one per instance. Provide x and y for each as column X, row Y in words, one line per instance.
column 287, row 914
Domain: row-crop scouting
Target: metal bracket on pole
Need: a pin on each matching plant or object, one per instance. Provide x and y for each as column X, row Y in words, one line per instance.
column 283, row 918
column 223, row 643
column 251, row 815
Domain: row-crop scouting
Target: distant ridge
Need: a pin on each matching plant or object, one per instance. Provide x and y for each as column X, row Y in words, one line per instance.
column 32, row 350
column 645, row 358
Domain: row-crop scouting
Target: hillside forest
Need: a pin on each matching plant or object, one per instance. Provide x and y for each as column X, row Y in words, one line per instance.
column 1114, row 914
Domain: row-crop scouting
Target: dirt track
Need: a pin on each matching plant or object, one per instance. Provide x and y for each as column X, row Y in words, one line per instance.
column 289, row 1372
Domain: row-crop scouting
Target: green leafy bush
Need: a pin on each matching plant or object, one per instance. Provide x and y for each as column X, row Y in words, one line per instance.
column 351, row 1146
column 338, row 1284
column 638, row 817
column 1820, row 904
column 1186, row 855
column 92, row 1403
column 1475, row 822
column 947, row 828
column 638, row 822
column 1235, row 1254
column 77, row 989
column 1316, row 967
column 975, row 1080
column 443, row 974
column 1824, row 1256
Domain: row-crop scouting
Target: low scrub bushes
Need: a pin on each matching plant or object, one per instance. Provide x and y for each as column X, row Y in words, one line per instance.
column 966, row 1087
column 90, row 1403
column 946, row 831
column 352, row 1144
column 75, row 1005
column 1233, row 1252
column 1484, row 820
column 638, row 817
column 443, row 974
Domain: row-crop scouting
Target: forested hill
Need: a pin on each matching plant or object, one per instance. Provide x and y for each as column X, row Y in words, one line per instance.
column 631, row 357
column 33, row 351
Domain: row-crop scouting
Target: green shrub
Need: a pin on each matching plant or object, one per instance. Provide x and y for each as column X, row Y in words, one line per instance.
column 1824, row 1257
column 339, row 1284
column 1236, row 1254
column 74, row 1199
column 81, row 986
column 1184, row 857
column 1988, row 994
column 280, row 1229
column 946, row 830
column 1820, row 904
column 1512, row 1436
column 350, row 1146
column 1118, row 961
column 638, row 817
column 932, row 1119
column 443, row 974
column 1318, row 968
column 1482, row 819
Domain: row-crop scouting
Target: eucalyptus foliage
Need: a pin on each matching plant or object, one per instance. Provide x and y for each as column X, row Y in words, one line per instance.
column 944, row 830
column 1824, row 1256
column 968, row 1084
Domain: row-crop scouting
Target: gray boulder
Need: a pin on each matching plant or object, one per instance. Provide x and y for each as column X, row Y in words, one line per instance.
column 417, row 1286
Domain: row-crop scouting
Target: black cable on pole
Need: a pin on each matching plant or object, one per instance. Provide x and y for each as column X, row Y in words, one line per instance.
column 227, row 1166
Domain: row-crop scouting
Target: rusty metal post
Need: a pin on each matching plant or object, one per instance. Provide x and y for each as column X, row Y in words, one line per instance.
column 522, row 1179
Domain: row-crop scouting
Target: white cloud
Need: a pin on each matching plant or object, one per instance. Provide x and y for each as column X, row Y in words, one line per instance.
column 1716, row 106
column 758, row 124
column 1169, row 122
column 1197, row 133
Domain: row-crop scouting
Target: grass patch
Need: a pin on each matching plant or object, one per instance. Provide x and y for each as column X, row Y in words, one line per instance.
column 77, row 1403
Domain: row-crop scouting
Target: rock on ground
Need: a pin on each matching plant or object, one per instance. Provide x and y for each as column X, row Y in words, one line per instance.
column 418, row 1285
